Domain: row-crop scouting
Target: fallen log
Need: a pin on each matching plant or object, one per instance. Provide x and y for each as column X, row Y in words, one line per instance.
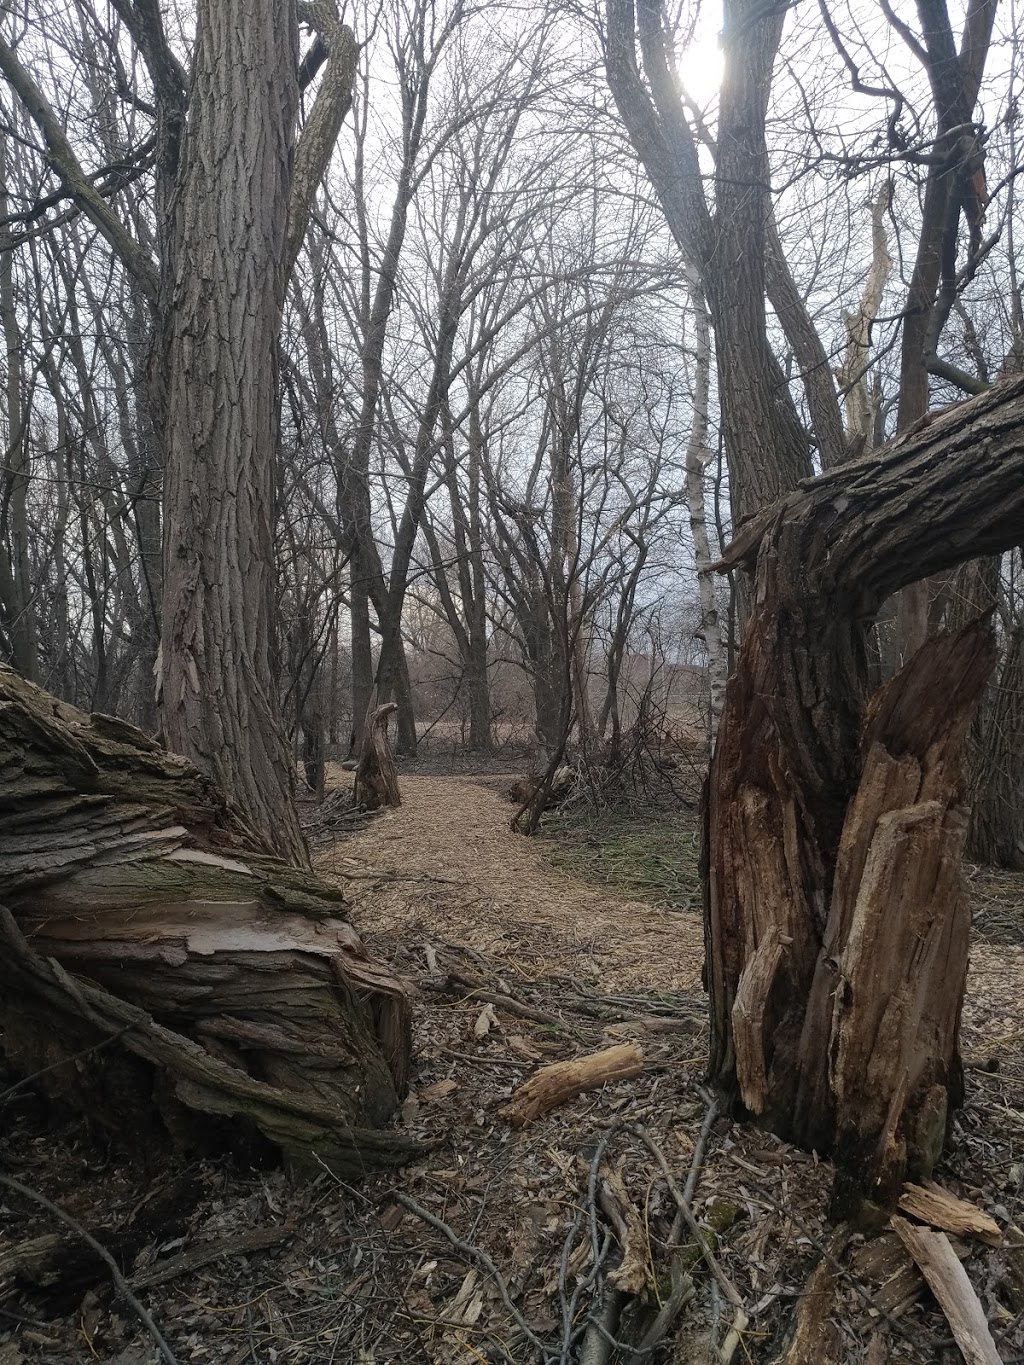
column 135, row 902
column 561, row 1081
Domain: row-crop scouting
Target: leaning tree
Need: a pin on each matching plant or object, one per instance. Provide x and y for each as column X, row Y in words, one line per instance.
column 836, row 931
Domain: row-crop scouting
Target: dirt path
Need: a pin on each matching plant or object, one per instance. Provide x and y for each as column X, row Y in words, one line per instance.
column 447, row 865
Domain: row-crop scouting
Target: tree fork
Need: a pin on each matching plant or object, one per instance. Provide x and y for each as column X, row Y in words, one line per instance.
column 834, row 1019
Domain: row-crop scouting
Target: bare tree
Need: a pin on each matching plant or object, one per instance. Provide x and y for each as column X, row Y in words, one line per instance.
column 240, row 202
column 805, row 828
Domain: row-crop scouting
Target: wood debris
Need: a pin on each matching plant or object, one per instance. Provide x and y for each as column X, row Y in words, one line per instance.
column 954, row 1292
column 930, row 1203
column 561, row 1081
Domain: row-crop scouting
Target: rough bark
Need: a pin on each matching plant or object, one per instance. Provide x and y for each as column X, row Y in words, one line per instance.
column 232, row 195
column 217, row 687
column 995, row 744
column 376, row 777
column 16, row 606
column 727, row 247
column 823, row 809
column 140, row 911
column 997, row 778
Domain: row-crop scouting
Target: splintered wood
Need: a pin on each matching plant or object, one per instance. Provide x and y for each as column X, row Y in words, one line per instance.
column 930, row 1203
column 137, row 906
column 554, row 1085
column 816, row 1337
column 948, row 1281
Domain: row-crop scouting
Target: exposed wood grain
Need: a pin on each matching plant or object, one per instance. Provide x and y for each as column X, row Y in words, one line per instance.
column 832, row 1017
column 561, row 1081
column 948, row 1281
column 816, row 1338
column 135, row 902
column 930, row 1203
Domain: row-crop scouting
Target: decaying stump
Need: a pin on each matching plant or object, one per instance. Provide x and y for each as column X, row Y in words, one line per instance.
column 376, row 775
column 836, row 930
column 234, row 1000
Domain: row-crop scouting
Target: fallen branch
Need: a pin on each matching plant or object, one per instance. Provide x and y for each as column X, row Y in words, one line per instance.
column 956, row 1296
column 259, row 1239
column 729, row 1290
column 714, row 1108
column 930, row 1203
column 454, row 984
column 561, row 1081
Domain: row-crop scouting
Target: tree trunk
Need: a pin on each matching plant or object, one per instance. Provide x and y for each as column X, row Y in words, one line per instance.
column 833, row 1018
column 362, row 653
column 16, row 606
column 218, row 694
column 139, row 909
column 997, row 778
column 995, row 743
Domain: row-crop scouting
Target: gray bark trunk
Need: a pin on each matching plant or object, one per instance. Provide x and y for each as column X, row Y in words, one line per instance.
column 217, row 689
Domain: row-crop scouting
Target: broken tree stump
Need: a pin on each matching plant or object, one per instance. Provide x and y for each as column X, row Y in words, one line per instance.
column 224, row 996
column 376, row 776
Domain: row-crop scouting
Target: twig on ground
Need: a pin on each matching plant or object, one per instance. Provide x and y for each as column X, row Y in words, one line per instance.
column 454, row 984
column 121, row 1283
column 732, row 1294
column 479, row 1257
column 697, row 1164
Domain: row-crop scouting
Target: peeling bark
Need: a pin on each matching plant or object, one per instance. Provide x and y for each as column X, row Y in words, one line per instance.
column 138, row 908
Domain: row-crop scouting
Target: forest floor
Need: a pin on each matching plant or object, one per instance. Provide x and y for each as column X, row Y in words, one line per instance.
column 497, row 1243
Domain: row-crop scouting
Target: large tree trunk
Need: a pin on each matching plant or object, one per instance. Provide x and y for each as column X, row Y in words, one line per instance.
column 834, row 1018
column 995, row 743
column 139, row 909
column 218, row 693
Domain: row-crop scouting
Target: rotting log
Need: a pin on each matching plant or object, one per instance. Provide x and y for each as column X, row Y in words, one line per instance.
column 836, row 932
column 225, row 996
